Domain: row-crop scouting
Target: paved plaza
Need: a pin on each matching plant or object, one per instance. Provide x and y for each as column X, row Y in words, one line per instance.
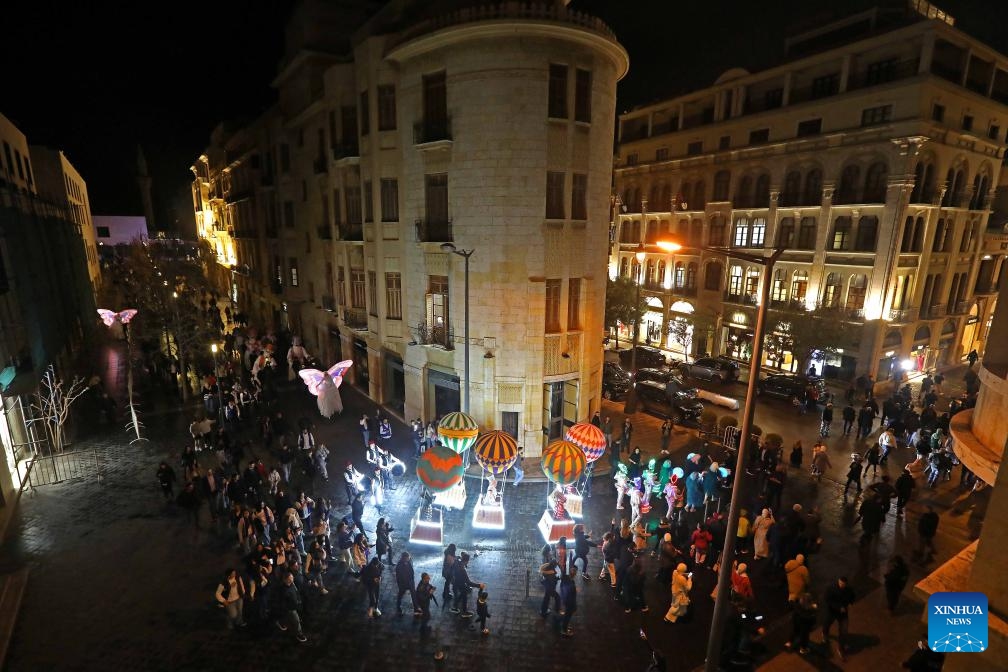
column 120, row 580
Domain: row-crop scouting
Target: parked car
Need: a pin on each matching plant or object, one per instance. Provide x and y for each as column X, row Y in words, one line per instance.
column 670, row 378
column 677, row 406
column 785, row 385
column 616, row 380
column 647, row 357
column 715, row 369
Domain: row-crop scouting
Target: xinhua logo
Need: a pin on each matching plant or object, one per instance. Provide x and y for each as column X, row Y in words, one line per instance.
column 957, row 622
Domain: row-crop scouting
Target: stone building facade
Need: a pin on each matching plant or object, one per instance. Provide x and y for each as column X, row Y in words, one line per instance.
column 488, row 128
column 871, row 159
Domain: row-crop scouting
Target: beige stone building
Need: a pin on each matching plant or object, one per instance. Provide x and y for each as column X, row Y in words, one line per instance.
column 488, row 128
column 871, row 155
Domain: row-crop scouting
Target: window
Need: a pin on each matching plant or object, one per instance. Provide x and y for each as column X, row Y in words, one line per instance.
column 724, row 142
column 876, row 115
column 557, row 91
column 807, row 234
column 841, row 233
column 582, row 95
column 368, row 202
column 389, row 199
column 799, row 286
column 712, row 276
column 365, row 114
column 574, row 304
column 880, row 71
column 741, row 238
column 773, row 99
column 967, row 122
column 791, row 194
column 348, row 128
column 938, row 245
column 759, row 136
column 875, row 183
column 938, row 113
column 694, row 148
column 284, row 158
column 679, row 275
column 847, row 190
column 357, row 297
column 293, row 263
column 867, row 234
column 809, row 127
column 552, row 306
column 722, row 183
column 812, row 195
column 435, row 101
column 353, row 205
column 691, row 270
column 631, row 159
column 661, row 154
column 437, row 198
column 778, row 290
column 856, row 292
column 758, row 233
column 372, row 285
column 735, row 281
column 288, row 214
column 28, row 177
column 831, row 293
column 786, row 232
column 393, row 296
column 718, row 232
column 579, row 197
column 993, row 132
column 554, row 195
column 386, row 108
column 341, row 286
column 827, row 85
column 103, row 232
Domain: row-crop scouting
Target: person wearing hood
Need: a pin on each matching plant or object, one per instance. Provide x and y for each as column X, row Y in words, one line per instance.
column 798, row 579
column 682, row 584
column 761, row 528
column 711, row 484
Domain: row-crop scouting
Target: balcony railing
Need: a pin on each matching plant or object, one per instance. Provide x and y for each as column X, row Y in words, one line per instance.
column 355, row 318
column 900, row 70
column 429, row 231
column 345, row 150
column 793, row 304
column 428, row 333
column 902, row 315
column 320, row 165
column 856, row 314
column 329, row 303
column 351, row 231
column 432, row 130
column 933, row 312
column 325, row 232
column 684, row 291
column 961, row 307
column 742, row 299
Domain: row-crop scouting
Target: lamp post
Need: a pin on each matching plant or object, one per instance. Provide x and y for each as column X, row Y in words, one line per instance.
column 640, row 254
column 220, row 395
column 465, row 254
column 716, row 638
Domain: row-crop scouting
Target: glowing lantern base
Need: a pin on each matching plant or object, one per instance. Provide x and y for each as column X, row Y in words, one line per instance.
column 574, row 505
column 552, row 529
column 427, row 527
column 452, row 498
column 488, row 516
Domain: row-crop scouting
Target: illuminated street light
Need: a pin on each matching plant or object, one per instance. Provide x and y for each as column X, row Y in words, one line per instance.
column 465, row 254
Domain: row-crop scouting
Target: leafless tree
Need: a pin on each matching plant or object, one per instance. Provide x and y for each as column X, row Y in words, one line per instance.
column 52, row 403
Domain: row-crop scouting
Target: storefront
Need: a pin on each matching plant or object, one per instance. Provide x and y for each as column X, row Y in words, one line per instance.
column 362, row 377
column 737, row 336
column 394, row 383
column 679, row 340
column 560, row 404
column 444, row 391
column 652, row 322
column 921, row 354
column 948, row 352
column 969, row 337
column 888, row 363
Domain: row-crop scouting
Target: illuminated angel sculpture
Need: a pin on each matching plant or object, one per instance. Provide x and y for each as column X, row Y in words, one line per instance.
column 123, row 317
column 325, row 386
column 109, row 317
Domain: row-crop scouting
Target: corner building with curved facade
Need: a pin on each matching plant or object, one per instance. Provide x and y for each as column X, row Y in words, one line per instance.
column 871, row 156
column 490, row 128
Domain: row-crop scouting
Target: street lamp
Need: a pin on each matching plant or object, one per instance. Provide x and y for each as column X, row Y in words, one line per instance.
column 217, row 382
column 640, row 255
column 465, row 254
column 716, row 637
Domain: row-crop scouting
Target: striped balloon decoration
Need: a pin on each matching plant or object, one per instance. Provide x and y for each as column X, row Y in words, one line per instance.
column 496, row 451
column 458, row 431
column 440, row 468
column 588, row 438
column 563, row 462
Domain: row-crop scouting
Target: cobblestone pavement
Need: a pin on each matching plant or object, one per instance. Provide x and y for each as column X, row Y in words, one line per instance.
column 120, row 581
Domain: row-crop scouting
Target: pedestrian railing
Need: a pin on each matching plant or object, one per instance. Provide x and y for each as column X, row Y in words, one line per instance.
column 60, row 467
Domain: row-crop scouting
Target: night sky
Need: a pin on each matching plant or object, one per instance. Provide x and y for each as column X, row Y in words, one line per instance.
column 97, row 79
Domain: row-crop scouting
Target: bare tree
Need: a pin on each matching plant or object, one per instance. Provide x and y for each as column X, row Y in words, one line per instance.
column 53, row 401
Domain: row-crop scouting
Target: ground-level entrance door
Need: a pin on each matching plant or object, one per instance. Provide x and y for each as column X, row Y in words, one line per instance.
column 560, row 404
column 509, row 423
column 360, row 362
column 395, row 383
column 443, row 389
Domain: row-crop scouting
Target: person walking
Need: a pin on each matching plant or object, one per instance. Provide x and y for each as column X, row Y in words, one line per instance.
column 405, row 578
column 548, row 578
column 519, row 469
column 627, row 435
column 364, row 424
column 230, row 596
column 820, row 462
column 872, row 458
column 483, row 611
column 905, row 485
column 424, row 595
column 383, row 541
column 927, row 527
column 568, row 593
column 761, row 528
column 799, row 581
column 870, row 515
column 371, row 577
column 633, row 586
column 849, row 415
column 607, row 432
column 803, row 619
column 827, row 420
column 289, row 607
column 166, row 477
column 838, row 599
column 854, row 474
column 320, row 458
column 447, row 570
column 682, row 584
column 895, row 581
column 972, row 357
column 582, row 546
column 463, row 586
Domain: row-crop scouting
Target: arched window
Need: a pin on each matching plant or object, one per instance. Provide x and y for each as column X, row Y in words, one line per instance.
column 799, row 286
column 918, row 188
column 624, row 267
column 958, row 186
column 718, row 232
column 923, row 333
column 661, row 273
column 635, row 201
column 792, row 189
column 841, row 238
column 918, row 235
column 979, row 191
column 906, row 239
column 649, row 273
column 691, row 269
column 938, row 244
column 712, row 276
column 699, row 199
column 831, row 291
column 949, row 184
column 722, row 183
column 654, row 205
column 778, row 291
column 867, row 234
column 744, row 194
column 740, row 238
column 856, row 291
column 665, row 198
column 696, row 233
column 735, row 281
column 812, row 194
column 679, row 280
column 892, row 340
column 847, row 189
column 625, row 198
column 762, row 192
column 682, row 198
column 928, row 192
column 875, row 183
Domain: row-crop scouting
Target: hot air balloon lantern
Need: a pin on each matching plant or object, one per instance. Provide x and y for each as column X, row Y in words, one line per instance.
column 563, row 463
column 440, row 470
column 458, row 431
column 496, row 452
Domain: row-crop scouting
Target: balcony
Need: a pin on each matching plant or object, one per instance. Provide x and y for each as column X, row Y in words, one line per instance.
column 854, row 314
column 329, row 303
column 741, row 299
column 320, row 165
column 351, row 232
column 895, row 72
column 788, row 304
column 325, row 232
column 985, row 288
column 345, row 150
column 685, row 291
column 433, row 130
column 902, row 315
column 653, row 286
column 430, row 231
column 428, row 333
column 355, row 318
column 933, row 313
column 961, row 308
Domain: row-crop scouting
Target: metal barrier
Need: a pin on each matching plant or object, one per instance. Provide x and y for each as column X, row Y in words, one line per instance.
column 60, row 467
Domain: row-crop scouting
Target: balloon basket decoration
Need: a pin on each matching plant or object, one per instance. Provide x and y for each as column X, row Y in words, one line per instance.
column 496, row 452
column 439, row 470
column 456, row 431
column 592, row 443
column 563, row 463
column 452, row 498
column 575, row 503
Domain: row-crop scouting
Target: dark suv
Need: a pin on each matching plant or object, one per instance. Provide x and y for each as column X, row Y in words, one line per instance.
column 786, row 385
column 714, row 369
column 678, row 406
column 647, row 357
column 615, row 380
column 670, row 378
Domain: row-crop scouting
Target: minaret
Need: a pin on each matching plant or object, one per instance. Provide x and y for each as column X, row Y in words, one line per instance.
column 144, row 182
